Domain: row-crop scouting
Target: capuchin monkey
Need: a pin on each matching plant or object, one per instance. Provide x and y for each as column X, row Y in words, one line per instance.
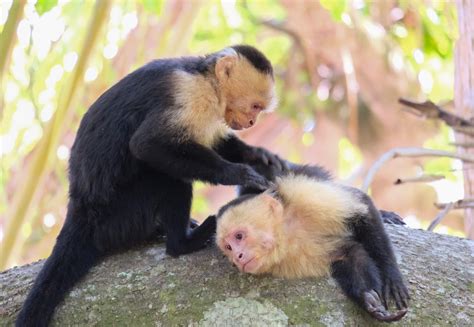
column 307, row 225
column 138, row 150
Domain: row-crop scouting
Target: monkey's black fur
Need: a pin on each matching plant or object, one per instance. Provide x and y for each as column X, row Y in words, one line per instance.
column 131, row 174
column 257, row 59
column 365, row 268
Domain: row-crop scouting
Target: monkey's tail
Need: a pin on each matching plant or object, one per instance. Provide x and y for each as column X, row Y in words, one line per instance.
column 72, row 257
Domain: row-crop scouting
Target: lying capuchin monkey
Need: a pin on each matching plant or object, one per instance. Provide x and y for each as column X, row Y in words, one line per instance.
column 308, row 225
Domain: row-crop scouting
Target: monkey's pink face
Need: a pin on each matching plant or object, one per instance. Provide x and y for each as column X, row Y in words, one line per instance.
column 241, row 115
column 246, row 250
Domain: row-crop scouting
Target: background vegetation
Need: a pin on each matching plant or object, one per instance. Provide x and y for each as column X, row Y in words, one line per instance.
column 341, row 66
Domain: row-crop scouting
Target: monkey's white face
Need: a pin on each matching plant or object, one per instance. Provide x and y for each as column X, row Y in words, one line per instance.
column 246, row 91
column 245, row 233
column 246, row 249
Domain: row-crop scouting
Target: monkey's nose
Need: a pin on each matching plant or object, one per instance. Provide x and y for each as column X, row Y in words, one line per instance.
column 251, row 122
column 241, row 255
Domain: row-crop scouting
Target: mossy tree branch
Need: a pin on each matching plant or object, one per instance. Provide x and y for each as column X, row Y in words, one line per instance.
column 144, row 287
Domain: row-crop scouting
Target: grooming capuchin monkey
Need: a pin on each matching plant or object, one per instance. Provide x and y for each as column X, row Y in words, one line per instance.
column 138, row 150
column 308, row 225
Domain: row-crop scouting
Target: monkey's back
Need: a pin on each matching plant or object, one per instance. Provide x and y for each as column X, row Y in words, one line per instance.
column 316, row 214
column 100, row 160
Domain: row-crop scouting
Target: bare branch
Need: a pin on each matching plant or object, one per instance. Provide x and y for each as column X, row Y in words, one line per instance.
column 463, row 144
column 440, row 216
column 430, row 110
column 419, row 179
column 460, row 204
column 467, row 130
column 409, row 152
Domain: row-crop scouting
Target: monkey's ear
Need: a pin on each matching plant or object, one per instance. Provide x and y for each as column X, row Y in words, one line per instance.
column 268, row 241
column 275, row 205
column 224, row 67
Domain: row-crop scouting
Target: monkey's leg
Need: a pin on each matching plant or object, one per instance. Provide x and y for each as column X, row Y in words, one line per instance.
column 174, row 211
column 368, row 230
column 359, row 278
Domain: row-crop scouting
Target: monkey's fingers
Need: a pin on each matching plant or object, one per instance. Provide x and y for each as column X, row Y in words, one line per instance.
column 400, row 294
column 386, row 294
column 376, row 309
column 386, row 316
column 255, row 180
column 276, row 161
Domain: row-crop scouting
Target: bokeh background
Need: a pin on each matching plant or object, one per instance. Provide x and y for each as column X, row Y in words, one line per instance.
column 340, row 67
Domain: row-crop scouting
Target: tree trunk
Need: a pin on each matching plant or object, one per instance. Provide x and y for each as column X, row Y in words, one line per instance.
column 464, row 92
column 144, row 287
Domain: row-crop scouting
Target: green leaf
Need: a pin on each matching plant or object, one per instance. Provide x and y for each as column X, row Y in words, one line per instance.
column 350, row 157
column 153, row 6
column 335, row 7
column 43, row 6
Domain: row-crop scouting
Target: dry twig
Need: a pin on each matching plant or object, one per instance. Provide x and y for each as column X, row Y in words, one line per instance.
column 440, row 216
column 430, row 110
column 418, row 179
column 409, row 152
column 460, row 204
column 463, row 144
column 467, row 130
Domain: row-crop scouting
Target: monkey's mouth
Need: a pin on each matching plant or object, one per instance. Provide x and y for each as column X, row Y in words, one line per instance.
column 236, row 126
column 250, row 265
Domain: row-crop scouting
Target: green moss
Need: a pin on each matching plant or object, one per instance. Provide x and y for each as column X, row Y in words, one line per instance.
column 246, row 312
column 304, row 311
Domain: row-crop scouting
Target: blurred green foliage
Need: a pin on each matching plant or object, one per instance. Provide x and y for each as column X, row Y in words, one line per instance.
column 417, row 39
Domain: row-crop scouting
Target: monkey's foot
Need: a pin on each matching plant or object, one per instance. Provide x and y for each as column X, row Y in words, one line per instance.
column 374, row 306
column 389, row 217
column 393, row 285
column 193, row 223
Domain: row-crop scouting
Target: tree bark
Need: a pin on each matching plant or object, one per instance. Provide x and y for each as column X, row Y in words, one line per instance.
column 464, row 93
column 144, row 287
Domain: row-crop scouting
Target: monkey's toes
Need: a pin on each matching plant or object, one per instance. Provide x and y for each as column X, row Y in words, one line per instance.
column 390, row 217
column 393, row 286
column 193, row 223
column 376, row 308
column 401, row 296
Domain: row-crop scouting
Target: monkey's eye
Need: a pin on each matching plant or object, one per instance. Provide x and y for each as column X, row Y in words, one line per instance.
column 228, row 247
column 238, row 236
column 257, row 107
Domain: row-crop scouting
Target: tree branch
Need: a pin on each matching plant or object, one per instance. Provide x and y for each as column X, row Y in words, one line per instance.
column 419, row 179
column 144, row 287
column 460, row 204
column 430, row 110
column 440, row 216
column 409, row 152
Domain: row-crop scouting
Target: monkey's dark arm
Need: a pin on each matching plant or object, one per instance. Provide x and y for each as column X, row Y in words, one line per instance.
column 235, row 150
column 188, row 160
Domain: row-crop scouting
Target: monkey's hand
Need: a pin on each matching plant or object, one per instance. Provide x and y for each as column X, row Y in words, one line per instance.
column 376, row 309
column 250, row 178
column 393, row 285
column 257, row 154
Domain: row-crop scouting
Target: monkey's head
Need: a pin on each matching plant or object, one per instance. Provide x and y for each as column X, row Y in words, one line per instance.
column 246, row 85
column 248, row 232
